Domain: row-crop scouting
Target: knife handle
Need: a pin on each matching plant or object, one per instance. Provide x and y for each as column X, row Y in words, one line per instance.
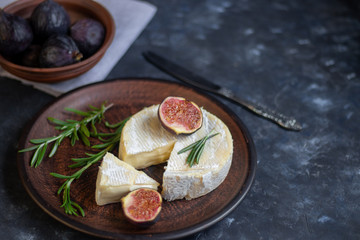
column 263, row 111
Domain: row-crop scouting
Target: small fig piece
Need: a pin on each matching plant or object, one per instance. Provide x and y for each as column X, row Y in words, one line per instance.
column 88, row 35
column 59, row 50
column 142, row 207
column 49, row 18
column 15, row 34
column 180, row 116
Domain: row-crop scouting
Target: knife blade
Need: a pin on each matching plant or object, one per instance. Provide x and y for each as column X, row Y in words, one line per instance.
column 201, row 83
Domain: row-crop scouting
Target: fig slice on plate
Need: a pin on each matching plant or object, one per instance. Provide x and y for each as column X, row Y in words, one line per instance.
column 142, row 206
column 179, row 115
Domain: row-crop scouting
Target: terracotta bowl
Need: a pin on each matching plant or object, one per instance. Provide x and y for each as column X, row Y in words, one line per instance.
column 76, row 9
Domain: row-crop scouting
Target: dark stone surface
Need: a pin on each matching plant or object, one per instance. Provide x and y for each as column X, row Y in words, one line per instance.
column 300, row 57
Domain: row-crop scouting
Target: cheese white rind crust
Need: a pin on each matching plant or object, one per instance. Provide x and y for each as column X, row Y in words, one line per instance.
column 116, row 178
column 181, row 181
column 144, row 142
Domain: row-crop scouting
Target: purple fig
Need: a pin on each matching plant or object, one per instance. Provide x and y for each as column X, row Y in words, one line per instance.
column 30, row 57
column 59, row 50
column 88, row 35
column 49, row 18
column 15, row 34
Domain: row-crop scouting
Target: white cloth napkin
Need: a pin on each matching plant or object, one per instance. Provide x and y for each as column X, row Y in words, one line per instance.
column 130, row 16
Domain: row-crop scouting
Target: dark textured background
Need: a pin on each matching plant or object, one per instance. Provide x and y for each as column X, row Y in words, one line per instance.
column 300, row 57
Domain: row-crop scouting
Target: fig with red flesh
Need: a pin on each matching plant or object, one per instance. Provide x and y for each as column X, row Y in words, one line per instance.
column 142, row 206
column 179, row 115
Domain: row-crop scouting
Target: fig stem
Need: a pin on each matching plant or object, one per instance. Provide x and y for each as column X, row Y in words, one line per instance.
column 78, row 56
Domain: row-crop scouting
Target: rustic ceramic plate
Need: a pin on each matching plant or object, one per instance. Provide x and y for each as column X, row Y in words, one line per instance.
column 178, row 218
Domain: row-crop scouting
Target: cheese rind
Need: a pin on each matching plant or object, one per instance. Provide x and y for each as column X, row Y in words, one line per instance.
column 116, row 178
column 144, row 142
column 181, row 181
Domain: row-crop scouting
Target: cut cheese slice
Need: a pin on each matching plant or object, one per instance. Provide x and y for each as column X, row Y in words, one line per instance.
column 145, row 142
column 116, row 178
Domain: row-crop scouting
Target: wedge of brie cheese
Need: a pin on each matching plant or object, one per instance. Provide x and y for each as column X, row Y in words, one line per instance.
column 145, row 142
column 116, row 178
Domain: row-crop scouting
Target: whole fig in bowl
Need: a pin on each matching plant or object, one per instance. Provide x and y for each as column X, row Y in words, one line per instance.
column 88, row 35
column 30, row 57
column 23, row 64
column 59, row 50
column 49, row 18
column 15, row 34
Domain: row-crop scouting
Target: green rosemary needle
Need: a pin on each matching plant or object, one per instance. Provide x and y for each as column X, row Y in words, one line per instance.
column 197, row 149
column 111, row 140
column 73, row 129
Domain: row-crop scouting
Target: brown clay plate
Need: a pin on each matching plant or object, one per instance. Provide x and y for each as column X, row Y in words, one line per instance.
column 178, row 218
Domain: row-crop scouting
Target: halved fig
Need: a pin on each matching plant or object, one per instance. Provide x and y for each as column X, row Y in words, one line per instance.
column 142, row 206
column 179, row 115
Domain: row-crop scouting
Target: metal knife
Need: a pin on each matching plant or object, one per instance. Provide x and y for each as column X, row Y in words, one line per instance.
column 199, row 82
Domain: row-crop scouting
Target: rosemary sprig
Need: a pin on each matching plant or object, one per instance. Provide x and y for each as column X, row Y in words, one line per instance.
column 197, row 149
column 111, row 140
column 73, row 129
